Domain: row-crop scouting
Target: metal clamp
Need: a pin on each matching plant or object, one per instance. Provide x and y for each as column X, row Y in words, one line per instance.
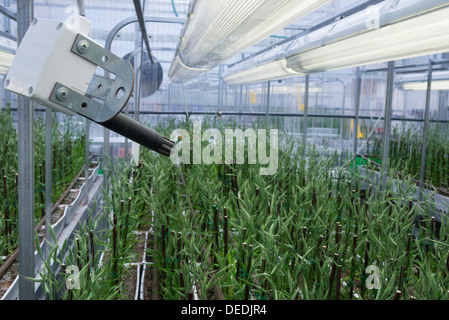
column 105, row 97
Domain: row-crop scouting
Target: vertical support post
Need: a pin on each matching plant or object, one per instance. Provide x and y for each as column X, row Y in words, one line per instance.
column 86, row 160
column 7, row 25
column 422, row 172
column 126, row 139
column 241, row 98
column 234, row 91
column 387, row 123
column 220, row 87
column 226, row 104
column 139, row 84
column 106, row 155
column 342, row 119
column 357, row 111
column 443, row 97
column 268, row 101
column 169, row 95
column 48, row 174
column 81, row 7
column 305, row 118
column 25, row 123
column 82, row 12
column 442, row 105
column 138, row 92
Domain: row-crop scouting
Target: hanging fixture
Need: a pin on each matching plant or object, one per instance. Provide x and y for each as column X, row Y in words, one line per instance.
column 390, row 30
column 216, row 30
column 440, row 81
column 7, row 52
column 266, row 71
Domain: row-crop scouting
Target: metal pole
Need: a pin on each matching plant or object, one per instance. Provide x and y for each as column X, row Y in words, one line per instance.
column 442, row 105
column 112, row 34
column 48, row 174
column 220, row 87
column 139, row 89
column 169, row 94
column 106, row 155
column 234, row 91
column 241, row 96
column 126, row 139
column 443, row 97
column 342, row 119
column 422, row 172
column 226, row 97
column 7, row 30
column 357, row 109
column 86, row 160
column 139, row 74
column 81, row 7
column 82, row 12
column 25, row 124
column 282, row 114
column 268, row 102
column 387, row 123
column 141, row 19
column 246, row 95
column 306, row 112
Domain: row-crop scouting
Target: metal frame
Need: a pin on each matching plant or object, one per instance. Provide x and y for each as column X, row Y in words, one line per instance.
column 276, row 114
column 82, row 11
column 416, row 65
column 8, row 13
column 271, row 114
column 48, row 175
column 425, row 129
column 387, row 123
column 111, row 36
column 357, row 111
column 268, row 101
column 25, row 125
column 306, row 114
column 430, row 69
column 130, row 20
column 143, row 29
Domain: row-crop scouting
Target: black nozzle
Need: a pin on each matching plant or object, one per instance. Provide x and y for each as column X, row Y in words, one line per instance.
column 139, row 133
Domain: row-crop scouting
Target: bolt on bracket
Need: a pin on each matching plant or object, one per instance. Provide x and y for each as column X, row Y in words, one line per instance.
column 105, row 97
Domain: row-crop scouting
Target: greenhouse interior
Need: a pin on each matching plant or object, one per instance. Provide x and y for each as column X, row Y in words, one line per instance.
column 224, row 150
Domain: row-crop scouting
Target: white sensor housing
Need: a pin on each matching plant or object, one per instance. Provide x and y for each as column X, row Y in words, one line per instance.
column 44, row 57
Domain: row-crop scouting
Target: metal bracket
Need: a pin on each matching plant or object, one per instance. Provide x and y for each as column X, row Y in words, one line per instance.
column 105, row 97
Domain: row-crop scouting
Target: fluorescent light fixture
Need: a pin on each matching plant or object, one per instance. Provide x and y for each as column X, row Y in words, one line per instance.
column 390, row 30
column 267, row 71
column 440, row 81
column 7, row 52
column 216, row 30
column 288, row 90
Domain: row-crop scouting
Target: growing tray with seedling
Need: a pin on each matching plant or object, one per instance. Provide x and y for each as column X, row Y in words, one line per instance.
column 68, row 180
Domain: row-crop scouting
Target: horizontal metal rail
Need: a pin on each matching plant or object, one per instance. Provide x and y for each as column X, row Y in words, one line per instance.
column 5, row 11
column 8, row 35
column 278, row 114
column 260, row 114
column 419, row 65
